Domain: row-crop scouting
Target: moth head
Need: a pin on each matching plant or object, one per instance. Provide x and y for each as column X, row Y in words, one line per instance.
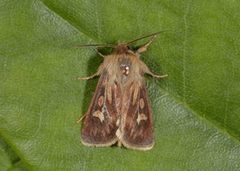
column 121, row 48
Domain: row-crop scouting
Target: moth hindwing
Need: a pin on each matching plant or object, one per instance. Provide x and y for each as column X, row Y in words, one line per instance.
column 120, row 110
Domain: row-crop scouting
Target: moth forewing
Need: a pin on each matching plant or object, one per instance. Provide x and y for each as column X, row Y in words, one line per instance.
column 120, row 110
column 137, row 125
column 99, row 124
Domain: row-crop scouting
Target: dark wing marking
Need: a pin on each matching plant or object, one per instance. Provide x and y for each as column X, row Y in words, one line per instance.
column 137, row 127
column 99, row 125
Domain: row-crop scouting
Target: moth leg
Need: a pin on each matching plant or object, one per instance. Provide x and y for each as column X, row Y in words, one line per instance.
column 144, row 47
column 89, row 77
column 81, row 118
column 99, row 53
column 155, row 75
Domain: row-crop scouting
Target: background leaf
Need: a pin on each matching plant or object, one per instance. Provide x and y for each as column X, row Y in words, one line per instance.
column 196, row 109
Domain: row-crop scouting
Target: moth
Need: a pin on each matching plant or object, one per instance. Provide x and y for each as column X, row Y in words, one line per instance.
column 120, row 112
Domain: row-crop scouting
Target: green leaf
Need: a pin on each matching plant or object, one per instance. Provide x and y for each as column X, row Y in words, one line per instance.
column 4, row 159
column 8, row 158
column 196, row 109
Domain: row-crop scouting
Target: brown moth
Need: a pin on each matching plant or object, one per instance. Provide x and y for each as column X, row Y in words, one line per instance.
column 120, row 111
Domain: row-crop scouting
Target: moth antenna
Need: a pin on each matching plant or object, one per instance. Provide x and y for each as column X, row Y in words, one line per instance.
column 97, row 45
column 143, row 37
column 99, row 53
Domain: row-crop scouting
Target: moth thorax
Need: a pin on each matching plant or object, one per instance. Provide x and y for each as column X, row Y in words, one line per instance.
column 125, row 65
column 125, row 69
